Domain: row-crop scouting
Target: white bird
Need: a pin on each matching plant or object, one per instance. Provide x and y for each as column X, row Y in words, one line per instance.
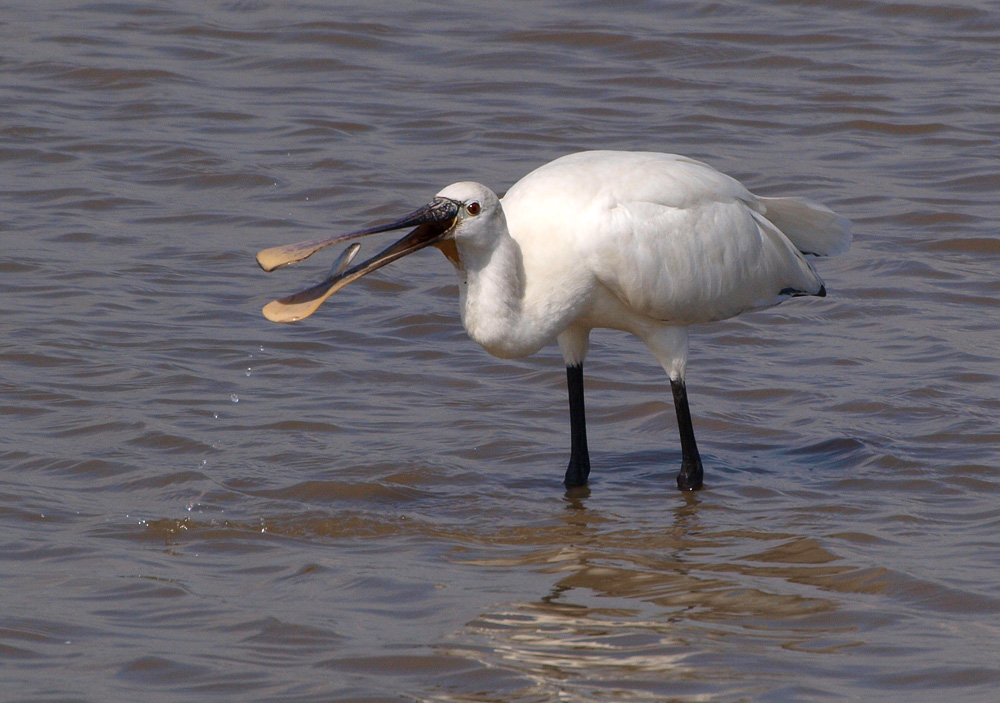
column 642, row 242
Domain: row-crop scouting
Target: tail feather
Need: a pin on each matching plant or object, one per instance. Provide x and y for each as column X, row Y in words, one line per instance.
column 811, row 227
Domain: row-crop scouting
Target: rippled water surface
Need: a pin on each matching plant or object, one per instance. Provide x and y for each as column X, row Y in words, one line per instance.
column 196, row 504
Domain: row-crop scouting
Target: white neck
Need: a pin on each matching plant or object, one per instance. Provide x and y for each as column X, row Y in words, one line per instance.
column 492, row 299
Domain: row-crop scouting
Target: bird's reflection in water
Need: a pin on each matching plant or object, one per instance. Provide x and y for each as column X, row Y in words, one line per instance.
column 654, row 610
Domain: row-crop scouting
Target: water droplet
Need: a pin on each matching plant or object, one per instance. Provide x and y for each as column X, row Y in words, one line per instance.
column 235, row 398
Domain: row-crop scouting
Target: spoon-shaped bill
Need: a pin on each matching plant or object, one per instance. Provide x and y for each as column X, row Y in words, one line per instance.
column 304, row 303
column 437, row 210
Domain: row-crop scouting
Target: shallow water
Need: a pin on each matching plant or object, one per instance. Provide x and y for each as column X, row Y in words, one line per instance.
column 365, row 506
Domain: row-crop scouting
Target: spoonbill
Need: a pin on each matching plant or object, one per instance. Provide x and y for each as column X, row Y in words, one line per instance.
column 643, row 242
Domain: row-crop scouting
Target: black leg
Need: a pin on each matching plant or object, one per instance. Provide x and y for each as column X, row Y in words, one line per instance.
column 579, row 457
column 690, row 477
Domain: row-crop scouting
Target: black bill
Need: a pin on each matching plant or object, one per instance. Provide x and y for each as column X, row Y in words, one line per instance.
column 433, row 222
column 437, row 211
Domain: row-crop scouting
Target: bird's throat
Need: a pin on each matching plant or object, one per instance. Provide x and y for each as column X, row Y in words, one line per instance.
column 492, row 292
column 450, row 250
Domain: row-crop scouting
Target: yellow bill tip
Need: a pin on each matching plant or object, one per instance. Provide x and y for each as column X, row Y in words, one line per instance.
column 277, row 311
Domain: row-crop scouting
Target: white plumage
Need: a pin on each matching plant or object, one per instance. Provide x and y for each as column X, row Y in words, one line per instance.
column 643, row 242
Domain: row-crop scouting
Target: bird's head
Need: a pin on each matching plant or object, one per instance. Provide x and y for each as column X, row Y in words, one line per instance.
column 460, row 214
column 480, row 218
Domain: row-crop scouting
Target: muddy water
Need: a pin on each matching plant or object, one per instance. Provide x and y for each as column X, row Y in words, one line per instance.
column 365, row 506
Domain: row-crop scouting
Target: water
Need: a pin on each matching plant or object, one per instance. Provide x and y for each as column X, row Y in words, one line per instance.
column 379, row 517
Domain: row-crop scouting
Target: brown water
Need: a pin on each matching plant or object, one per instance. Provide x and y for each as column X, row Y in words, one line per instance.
column 197, row 504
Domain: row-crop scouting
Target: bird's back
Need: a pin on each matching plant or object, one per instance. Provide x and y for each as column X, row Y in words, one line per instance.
column 674, row 239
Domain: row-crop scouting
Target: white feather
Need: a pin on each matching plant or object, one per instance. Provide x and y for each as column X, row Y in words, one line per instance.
column 633, row 241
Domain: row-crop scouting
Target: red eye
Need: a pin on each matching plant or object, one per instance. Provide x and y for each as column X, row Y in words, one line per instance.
column 473, row 208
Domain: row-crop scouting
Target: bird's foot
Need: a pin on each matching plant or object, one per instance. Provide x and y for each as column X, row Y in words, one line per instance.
column 691, row 476
column 576, row 474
